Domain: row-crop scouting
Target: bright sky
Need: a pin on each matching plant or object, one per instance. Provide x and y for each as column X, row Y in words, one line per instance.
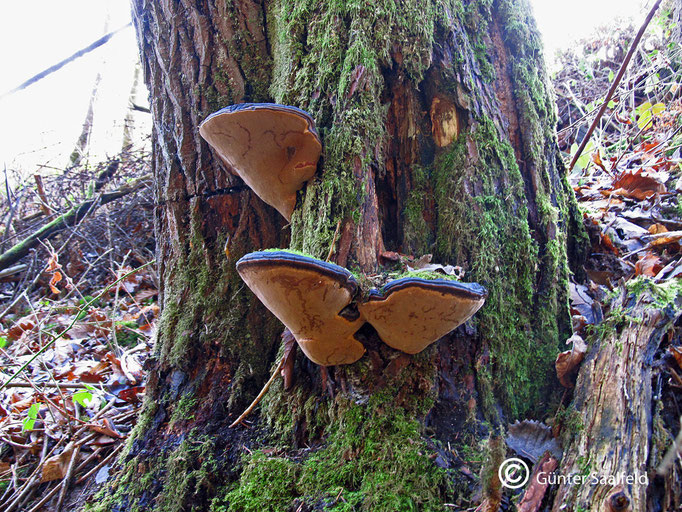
column 41, row 123
column 562, row 23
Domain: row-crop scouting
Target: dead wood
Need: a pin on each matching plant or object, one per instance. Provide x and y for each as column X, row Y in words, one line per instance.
column 613, row 447
column 69, row 218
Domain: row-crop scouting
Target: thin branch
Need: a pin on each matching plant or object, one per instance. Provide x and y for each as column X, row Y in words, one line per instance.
column 615, row 84
column 260, row 395
column 63, row 63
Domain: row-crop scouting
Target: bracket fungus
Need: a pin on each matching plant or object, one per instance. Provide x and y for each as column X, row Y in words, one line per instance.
column 273, row 148
column 411, row 313
column 307, row 295
column 311, row 296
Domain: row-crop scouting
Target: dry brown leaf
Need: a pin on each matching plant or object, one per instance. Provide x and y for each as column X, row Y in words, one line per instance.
column 654, row 229
column 143, row 295
column 535, row 492
column 53, row 263
column 567, row 363
column 636, row 185
column 131, row 395
column 22, row 325
column 649, row 265
column 56, row 277
column 676, row 352
column 596, row 158
column 55, row 467
column 608, row 244
column 674, row 237
column 106, row 429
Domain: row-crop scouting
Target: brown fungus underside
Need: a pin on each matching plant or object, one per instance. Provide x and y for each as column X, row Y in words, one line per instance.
column 273, row 148
column 313, row 299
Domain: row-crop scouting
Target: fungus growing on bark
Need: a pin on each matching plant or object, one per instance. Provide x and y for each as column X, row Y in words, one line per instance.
column 307, row 295
column 411, row 313
column 273, row 148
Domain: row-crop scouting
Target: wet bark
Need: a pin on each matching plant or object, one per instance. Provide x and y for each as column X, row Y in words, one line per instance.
column 438, row 135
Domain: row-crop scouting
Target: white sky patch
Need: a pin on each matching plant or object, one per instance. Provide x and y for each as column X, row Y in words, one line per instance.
column 562, row 24
column 40, row 125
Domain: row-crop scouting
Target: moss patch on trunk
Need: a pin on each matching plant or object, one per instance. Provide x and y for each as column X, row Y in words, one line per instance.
column 374, row 458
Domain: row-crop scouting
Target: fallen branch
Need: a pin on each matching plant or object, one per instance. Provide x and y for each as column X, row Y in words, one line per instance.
column 70, row 218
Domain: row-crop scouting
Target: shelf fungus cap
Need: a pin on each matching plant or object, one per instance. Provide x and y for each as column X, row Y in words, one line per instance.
column 273, row 148
column 307, row 295
column 411, row 313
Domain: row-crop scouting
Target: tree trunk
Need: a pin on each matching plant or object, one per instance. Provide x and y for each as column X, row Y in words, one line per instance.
column 438, row 133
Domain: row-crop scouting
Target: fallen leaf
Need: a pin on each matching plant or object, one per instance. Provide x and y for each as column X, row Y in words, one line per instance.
column 596, row 158
column 567, row 363
column 649, row 265
column 53, row 263
column 421, row 262
column 22, row 325
column 654, row 229
column 608, row 244
column 536, row 490
column 131, row 395
column 56, row 277
column 55, row 467
column 106, row 429
column 531, row 439
column 676, row 352
column 637, row 185
column 143, row 295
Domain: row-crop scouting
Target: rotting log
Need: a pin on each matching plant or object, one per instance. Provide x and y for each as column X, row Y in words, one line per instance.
column 70, row 218
column 616, row 440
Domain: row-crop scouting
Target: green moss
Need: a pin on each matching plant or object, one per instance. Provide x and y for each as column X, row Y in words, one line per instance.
column 494, row 244
column 428, row 275
column 267, row 483
column 127, row 334
column 494, row 456
column 179, row 474
column 416, row 237
column 664, row 294
column 292, row 251
column 184, row 409
column 374, row 458
column 329, row 60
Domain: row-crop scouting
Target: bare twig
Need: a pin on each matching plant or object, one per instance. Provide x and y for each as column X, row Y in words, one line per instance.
column 615, row 84
column 67, row 479
column 260, row 396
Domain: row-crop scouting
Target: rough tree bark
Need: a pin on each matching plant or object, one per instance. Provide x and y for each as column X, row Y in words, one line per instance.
column 438, row 134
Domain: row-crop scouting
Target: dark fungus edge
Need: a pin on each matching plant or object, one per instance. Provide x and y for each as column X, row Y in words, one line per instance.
column 289, row 260
column 269, row 106
column 472, row 291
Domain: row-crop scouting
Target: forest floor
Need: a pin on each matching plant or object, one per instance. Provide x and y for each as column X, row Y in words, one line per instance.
column 78, row 301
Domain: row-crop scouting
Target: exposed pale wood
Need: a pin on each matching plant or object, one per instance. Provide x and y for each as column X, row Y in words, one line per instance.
column 614, row 400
